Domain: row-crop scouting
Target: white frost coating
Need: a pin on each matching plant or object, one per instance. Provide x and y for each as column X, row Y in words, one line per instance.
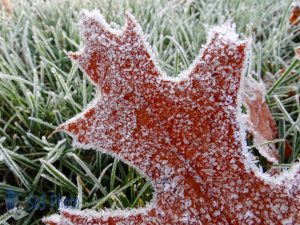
column 97, row 16
column 54, row 218
column 105, row 214
column 249, row 159
column 186, row 134
column 226, row 32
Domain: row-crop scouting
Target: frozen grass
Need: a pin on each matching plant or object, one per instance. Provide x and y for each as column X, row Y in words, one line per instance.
column 40, row 88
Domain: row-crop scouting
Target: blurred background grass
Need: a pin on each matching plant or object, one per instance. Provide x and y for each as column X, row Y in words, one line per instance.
column 40, row 88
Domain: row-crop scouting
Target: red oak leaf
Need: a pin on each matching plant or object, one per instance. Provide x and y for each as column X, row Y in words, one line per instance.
column 186, row 134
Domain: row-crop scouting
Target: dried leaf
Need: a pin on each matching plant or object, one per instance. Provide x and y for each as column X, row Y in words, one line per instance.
column 261, row 123
column 297, row 52
column 7, row 7
column 294, row 18
column 185, row 133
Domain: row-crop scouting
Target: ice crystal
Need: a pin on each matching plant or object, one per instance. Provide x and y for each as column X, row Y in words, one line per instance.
column 186, row 133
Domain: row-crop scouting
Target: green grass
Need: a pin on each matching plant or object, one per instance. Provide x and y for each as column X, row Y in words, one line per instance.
column 40, row 88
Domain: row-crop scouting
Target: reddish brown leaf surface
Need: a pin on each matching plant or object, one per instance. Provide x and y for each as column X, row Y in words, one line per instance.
column 186, row 134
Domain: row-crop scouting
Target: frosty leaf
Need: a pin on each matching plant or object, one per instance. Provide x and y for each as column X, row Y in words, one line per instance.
column 185, row 133
column 260, row 121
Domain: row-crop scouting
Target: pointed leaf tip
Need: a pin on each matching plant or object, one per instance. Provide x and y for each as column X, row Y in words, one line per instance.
column 75, row 56
column 131, row 24
column 226, row 32
column 70, row 127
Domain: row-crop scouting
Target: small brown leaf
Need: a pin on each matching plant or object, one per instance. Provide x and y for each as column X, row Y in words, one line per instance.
column 297, row 52
column 294, row 18
column 7, row 7
column 261, row 124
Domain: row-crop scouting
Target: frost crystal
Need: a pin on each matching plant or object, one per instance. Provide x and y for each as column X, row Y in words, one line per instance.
column 185, row 133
